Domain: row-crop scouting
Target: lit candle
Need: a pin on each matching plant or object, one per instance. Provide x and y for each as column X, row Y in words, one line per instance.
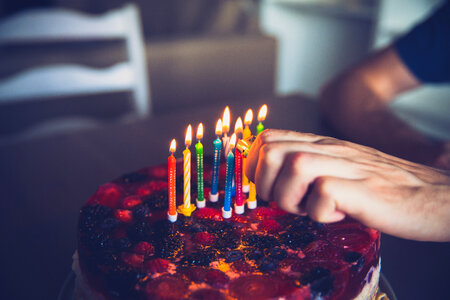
column 199, row 152
column 214, row 195
column 187, row 208
column 261, row 117
column 239, row 200
column 226, row 210
column 246, row 134
column 225, row 128
column 172, row 165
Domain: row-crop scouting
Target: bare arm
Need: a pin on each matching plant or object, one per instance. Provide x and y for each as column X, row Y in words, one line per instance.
column 356, row 104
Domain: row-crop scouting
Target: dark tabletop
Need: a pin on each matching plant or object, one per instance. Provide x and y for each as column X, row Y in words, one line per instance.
column 45, row 181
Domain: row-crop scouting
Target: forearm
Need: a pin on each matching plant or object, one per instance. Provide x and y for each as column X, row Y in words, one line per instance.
column 360, row 114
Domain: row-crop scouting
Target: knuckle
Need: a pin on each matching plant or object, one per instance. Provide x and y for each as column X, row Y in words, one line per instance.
column 298, row 163
column 269, row 152
column 322, row 186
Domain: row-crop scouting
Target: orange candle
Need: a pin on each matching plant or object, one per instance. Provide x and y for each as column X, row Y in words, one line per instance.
column 246, row 134
column 172, row 165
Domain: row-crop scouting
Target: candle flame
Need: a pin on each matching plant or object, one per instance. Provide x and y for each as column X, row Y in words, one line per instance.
column 173, row 146
column 219, row 127
column 188, row 139
column 238, row 126
column 248, row 117
column 200, row 131
column 262, row 113
column 232, row 141
column 226, row 120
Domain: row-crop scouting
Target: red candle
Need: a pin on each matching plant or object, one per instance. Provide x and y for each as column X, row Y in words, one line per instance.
column 172, row 165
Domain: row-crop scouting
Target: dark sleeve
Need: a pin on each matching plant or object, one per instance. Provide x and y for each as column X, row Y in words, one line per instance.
column 425, row 50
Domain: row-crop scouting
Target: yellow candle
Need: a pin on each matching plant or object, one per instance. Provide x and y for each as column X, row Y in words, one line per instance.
column 246, row 134
column 187, row 208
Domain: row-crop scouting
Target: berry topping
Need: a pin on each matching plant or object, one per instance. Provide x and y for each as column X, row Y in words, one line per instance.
column 253, row 287
column 157, row 265
column 270, row 226
column 144, row 248
column 109, row 224
column 267, row 264
column 350, row 238
column 166, row 288
column 242, row 266
column 141, row 212
column 123, row 215
column 356, row 259
column 132, row 259
column 140, row 231
column 206, row 294
column 295, row 239
column 233, row 255
column 122, row 244
column 109, row 195
column 92, row 215
column 216, row 278
column 321, row 251
column 130, row 202
column 209, row 213
column 158, row 172
column 204, row 238
column 199, row 258
column 152, row 186
column 262, row 213
column 195, row 274
column 277, row 253
column 320, row 280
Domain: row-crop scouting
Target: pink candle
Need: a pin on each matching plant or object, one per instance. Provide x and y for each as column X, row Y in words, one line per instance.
column 238, row 174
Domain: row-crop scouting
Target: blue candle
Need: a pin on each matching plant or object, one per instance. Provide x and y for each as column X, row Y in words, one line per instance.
column 226, row 211
column 215, row 175
column 229, row 178
column 213, row 195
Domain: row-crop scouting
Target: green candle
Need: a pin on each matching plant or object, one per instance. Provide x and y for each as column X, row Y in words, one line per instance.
column 199, row 151
column 261, row 117
column 259, row 128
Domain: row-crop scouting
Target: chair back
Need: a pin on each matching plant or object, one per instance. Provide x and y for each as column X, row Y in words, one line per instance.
column 62, row 25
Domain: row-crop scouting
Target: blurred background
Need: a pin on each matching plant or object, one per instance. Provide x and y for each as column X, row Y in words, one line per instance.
column 169, row 54
column 73, row 65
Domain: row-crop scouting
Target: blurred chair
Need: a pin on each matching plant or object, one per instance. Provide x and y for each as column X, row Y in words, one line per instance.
column 56, row 80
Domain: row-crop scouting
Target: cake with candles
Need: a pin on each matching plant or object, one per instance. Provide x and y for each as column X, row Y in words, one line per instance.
column 182, row 230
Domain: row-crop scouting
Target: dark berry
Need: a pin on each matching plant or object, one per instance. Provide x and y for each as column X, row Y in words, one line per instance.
column 320, row 280
column 132, row 259
column 294, row 239
column 109, row 224
column 122, row 244
column 97, row 241
column 157, row 200
column 226, row 242
column 253, row 254
column 140, row 231
column 198, row 259
column 254, row 287
column 134, row 177
column 166, row 287
column 356, row 259
column 277, row 253
column 157, row 265
column 233, row 255
column 141, row 211
column 267, row 264
column 92, row 215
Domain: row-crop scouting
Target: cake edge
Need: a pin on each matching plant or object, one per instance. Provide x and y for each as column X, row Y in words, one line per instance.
column 83, row 291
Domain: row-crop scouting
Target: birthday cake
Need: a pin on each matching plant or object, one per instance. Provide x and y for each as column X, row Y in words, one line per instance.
column 128, row 249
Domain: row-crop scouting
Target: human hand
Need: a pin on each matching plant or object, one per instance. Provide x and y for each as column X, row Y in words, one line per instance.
column 328, row 178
